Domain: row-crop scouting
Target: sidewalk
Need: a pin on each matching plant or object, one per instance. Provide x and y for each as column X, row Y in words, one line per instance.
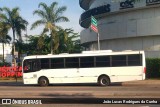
column 11, row 83
column 128, row 83
column 141, row 82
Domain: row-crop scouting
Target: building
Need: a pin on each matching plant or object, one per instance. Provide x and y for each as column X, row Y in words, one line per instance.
column 122, row 25
column 7, row 52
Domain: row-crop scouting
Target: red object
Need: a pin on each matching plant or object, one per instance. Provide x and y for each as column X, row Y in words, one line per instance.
column 94, row 28
column 10, row 71
column 144, row 70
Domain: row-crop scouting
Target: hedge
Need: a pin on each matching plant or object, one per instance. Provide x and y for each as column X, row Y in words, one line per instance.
column 153, row 68
column 4, row 64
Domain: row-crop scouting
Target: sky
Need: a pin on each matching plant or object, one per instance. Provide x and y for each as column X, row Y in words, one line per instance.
column 27, row 7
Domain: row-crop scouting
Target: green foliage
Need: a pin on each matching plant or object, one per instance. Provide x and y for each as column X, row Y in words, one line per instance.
column 4, row 64
column 153, row 68
column 4, row 37
column 53, row 38
column 14, row 20
column 67, row 40
column 49, row 16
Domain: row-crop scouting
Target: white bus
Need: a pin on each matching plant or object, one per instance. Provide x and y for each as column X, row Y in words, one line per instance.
column 102, row 67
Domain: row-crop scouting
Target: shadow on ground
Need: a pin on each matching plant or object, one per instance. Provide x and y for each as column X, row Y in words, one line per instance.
column 75, row 95
column 14, row 83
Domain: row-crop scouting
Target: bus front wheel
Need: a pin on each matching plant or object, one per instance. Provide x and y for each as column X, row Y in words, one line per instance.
column 104, row 81
column 43, row 81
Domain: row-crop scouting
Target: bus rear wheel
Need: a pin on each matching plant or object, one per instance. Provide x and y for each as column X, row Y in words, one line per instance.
column 43, row 81
column 104, row 81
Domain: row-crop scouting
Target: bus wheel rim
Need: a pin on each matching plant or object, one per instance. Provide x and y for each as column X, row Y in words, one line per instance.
column 43, row 82
column 104, row 81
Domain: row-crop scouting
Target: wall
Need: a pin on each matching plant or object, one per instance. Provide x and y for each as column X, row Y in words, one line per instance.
column 7, row 52
column 145, row 22
column 136, row 28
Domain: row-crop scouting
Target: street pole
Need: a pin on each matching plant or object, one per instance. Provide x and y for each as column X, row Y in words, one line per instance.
column 95, row 29
column 98, row 41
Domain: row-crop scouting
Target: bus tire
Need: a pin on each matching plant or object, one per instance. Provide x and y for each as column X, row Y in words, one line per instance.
column 104, row 81
column 43, row 81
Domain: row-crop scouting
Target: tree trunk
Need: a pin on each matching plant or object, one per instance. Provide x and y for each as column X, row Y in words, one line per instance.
column 51, row 45
column 3, row 52
column 13, row 42
column 13, row 48
column 19, row 53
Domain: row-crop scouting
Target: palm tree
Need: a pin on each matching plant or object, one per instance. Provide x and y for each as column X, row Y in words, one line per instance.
column 16, row 22
column 50, row 15
column 20, row 25
column 4, row 38
column 37, row 44
column 43, row 44
column 69, row 41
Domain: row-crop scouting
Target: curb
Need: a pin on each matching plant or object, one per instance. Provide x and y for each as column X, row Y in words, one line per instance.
column 142, row 83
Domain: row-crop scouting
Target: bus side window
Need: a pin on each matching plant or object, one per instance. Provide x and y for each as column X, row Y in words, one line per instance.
column 31, row 66
column 57, row 63
column 27, row 66
column 134, row 60
column 36, row 65
column 45, row 63
column 119, row 60
column 102, row 61
column 72, row 62
column 86, row 62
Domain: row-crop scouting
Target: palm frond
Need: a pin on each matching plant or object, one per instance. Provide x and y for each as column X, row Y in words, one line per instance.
column 6, row 9
column 8, row 39
column 15, row 12
column 45, row 30
column 40, row 13
column 60, row 10
column 53, row 6
column 3, row 18
column 43, row 5
column 38, row 23
column 20, row 24
column 61, row 19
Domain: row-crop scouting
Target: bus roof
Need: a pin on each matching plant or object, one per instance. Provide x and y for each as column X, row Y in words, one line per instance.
column 85, row 53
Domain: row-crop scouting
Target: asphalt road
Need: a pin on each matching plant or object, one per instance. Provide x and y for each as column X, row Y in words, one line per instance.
column 131, row 90
column 18, row 90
